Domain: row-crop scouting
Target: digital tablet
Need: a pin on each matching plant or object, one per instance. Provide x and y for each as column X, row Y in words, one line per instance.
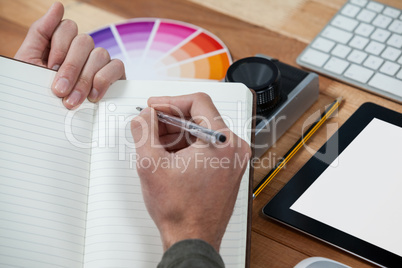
column 349, row 193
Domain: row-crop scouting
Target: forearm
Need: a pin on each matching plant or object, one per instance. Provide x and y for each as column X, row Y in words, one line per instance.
column 191, row 253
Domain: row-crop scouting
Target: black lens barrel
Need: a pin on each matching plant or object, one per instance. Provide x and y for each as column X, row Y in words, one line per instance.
column 260, row 75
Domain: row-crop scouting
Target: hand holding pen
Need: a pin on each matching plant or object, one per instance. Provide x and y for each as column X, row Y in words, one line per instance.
column 191, row 175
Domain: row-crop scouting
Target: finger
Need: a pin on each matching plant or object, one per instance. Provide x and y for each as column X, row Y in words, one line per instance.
column 61, row 41
column 167, row 129
column 106, row 76
column 98, row 58
column 165, row 104
column 144, row 129
column 198, row 106
column 177, row 141
column 39, row 35
column 174, row 138
column 72, row 66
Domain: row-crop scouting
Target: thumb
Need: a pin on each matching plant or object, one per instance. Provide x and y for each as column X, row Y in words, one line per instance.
column 144, row 129
column 36, row 44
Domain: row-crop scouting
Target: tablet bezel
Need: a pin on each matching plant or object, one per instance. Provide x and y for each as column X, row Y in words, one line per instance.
column 278, row 208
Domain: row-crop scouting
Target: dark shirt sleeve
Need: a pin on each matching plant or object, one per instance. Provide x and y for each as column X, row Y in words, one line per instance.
column 193, row 253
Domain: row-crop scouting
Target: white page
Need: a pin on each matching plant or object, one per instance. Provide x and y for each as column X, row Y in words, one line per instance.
column 362, row 196
column 43, row 177
column 120, row 232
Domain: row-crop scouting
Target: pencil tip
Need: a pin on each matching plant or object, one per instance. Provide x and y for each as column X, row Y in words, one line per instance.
column 139, row 109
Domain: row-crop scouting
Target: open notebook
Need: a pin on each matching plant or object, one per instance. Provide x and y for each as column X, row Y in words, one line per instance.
column 69, row 192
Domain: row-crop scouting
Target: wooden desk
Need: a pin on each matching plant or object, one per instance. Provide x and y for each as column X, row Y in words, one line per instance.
column 279, row 28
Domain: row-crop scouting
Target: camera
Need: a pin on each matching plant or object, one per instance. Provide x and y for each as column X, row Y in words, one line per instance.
column 283, row 94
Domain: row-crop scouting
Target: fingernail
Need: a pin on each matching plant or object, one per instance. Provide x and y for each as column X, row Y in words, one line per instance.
column 74, row 98
column 93, row 95
column 62, row 85
column 56, row 67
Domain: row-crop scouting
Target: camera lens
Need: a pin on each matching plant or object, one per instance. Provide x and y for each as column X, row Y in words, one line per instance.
column 260, row 75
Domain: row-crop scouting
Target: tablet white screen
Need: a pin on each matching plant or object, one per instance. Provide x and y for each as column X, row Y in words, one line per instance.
column 362, row 193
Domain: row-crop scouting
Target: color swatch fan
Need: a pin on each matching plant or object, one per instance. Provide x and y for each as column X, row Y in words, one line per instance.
column 162, row 49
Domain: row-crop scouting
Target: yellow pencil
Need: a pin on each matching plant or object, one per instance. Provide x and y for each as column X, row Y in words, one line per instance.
column 304, row 138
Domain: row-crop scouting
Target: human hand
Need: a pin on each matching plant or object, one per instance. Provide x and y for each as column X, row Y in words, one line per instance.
column 192, row 195
column 83, row 71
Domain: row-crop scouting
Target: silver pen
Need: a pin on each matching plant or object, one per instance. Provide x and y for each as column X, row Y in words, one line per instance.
column 198, row 131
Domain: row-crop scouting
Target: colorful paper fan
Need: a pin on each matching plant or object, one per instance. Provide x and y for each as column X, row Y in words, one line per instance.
column 162, row 49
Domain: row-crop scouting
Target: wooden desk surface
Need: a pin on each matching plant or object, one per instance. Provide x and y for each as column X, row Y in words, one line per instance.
column 279, row 28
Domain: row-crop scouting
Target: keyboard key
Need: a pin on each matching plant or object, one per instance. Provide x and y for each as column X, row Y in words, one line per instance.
column 391, row 53
column 358, row 73
column 380, row 35
column 399, row 74
column 366, row 15
column 395, row 40
column 315, row 57
column 386, row 83
column 336, row 65
column 361, row 3
column 323, row 44
column 382, row 21
column 390, row 68
column 392, row 12
column 396, row 27
column 350, row 10
column 364, row 29
column 373, row 62
column 361, row 44
column 345, row 23
column 374, row 48
column 336, row 34
column 358, row 42
column 357, row 56
column 341, row 51
column 377, row 7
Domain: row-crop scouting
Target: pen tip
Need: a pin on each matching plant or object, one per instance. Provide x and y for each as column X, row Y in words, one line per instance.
column 139, row 109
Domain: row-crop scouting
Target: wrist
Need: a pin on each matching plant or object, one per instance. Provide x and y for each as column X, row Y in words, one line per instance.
column 174, row 233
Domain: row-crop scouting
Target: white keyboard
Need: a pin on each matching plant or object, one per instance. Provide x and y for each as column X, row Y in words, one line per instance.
column 361, row 46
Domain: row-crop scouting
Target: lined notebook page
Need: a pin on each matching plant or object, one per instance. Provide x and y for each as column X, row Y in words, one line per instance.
column 120, row 232
column 43, row 177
